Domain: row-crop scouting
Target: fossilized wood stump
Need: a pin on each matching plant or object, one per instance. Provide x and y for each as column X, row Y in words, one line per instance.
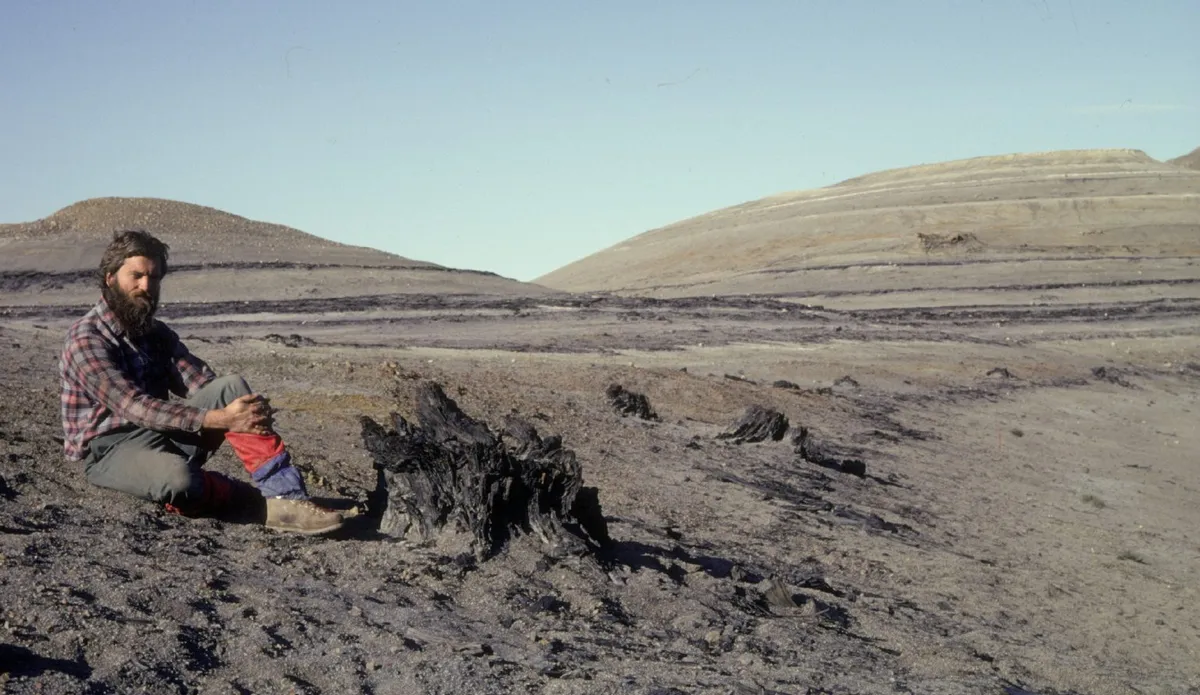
column 757, row 424
column 450, row 472
column 811, row 451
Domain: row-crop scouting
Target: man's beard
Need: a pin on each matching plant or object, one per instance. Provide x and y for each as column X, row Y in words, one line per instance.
column 135, row 314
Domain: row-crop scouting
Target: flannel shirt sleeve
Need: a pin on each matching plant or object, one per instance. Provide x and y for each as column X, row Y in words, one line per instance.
column 99, row 375
column 189, row 372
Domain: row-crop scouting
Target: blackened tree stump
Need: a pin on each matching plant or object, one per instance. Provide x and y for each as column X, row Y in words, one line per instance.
column 453, row 473
column 757, row 424
column 810, row 451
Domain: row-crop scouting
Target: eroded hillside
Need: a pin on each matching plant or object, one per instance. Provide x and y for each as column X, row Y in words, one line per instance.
column 1010, row 223
column 215, row 256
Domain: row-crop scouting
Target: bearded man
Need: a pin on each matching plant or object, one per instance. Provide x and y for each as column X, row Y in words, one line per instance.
column 119, row 368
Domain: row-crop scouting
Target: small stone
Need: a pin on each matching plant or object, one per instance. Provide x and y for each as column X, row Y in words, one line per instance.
column 548, row 604
column 778, row 595
column 475, row 649
column 712, row 637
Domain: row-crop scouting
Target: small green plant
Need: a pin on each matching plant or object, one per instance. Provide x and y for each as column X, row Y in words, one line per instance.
column 1093, row 500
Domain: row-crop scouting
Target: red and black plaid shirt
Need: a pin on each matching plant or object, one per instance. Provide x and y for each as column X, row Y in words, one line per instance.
column 110, row 381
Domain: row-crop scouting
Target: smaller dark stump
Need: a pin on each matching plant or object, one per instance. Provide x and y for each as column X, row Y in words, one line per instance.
column 629, row 403
column 757, row 424
column 811, row 451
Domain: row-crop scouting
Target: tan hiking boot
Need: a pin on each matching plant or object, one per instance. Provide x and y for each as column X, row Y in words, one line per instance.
column 301, row 516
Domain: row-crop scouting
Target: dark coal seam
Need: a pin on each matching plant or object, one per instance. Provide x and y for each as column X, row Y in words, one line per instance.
column 591, row 305
column 1078, row 312
column 988, row 312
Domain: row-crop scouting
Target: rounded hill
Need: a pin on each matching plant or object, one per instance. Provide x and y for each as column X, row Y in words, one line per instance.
column 74, row 237
column 996, row 221
column 215, row 256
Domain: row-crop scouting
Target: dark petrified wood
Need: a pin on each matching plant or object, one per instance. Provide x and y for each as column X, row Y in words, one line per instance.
column 450, row 472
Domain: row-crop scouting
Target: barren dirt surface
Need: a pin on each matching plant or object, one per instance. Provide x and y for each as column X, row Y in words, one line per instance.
column 1026, row 522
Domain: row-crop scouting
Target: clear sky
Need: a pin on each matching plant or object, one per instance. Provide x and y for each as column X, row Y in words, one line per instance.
column 518, row 136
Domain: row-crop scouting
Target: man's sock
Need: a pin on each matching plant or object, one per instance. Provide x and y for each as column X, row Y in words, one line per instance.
column 269, row 464
column 215, row 495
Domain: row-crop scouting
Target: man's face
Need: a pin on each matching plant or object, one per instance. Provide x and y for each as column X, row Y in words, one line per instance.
column 138, row 279
column 133, row 293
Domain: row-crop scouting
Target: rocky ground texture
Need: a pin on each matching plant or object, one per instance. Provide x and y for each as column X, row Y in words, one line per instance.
column 951, row 507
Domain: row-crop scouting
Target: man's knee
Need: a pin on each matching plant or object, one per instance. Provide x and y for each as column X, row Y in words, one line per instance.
column 221, row 391
column 233, row 386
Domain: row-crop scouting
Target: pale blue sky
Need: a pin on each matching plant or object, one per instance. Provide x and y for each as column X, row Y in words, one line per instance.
column 519, row 136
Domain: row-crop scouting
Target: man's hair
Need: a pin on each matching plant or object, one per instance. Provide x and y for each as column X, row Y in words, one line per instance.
column 128, row 243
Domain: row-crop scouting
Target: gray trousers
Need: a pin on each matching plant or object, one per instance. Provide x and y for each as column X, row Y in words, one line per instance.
column 162, row 467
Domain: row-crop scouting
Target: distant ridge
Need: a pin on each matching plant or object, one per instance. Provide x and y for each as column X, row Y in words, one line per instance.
column 1043, row 209
column 216, row 256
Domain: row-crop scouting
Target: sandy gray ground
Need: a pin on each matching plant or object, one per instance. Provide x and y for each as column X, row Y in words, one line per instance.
column 1028, row 521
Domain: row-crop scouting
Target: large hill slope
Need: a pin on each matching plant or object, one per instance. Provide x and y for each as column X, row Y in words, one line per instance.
column 215, row 256
column 1009, row 222
column 1190, row 160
